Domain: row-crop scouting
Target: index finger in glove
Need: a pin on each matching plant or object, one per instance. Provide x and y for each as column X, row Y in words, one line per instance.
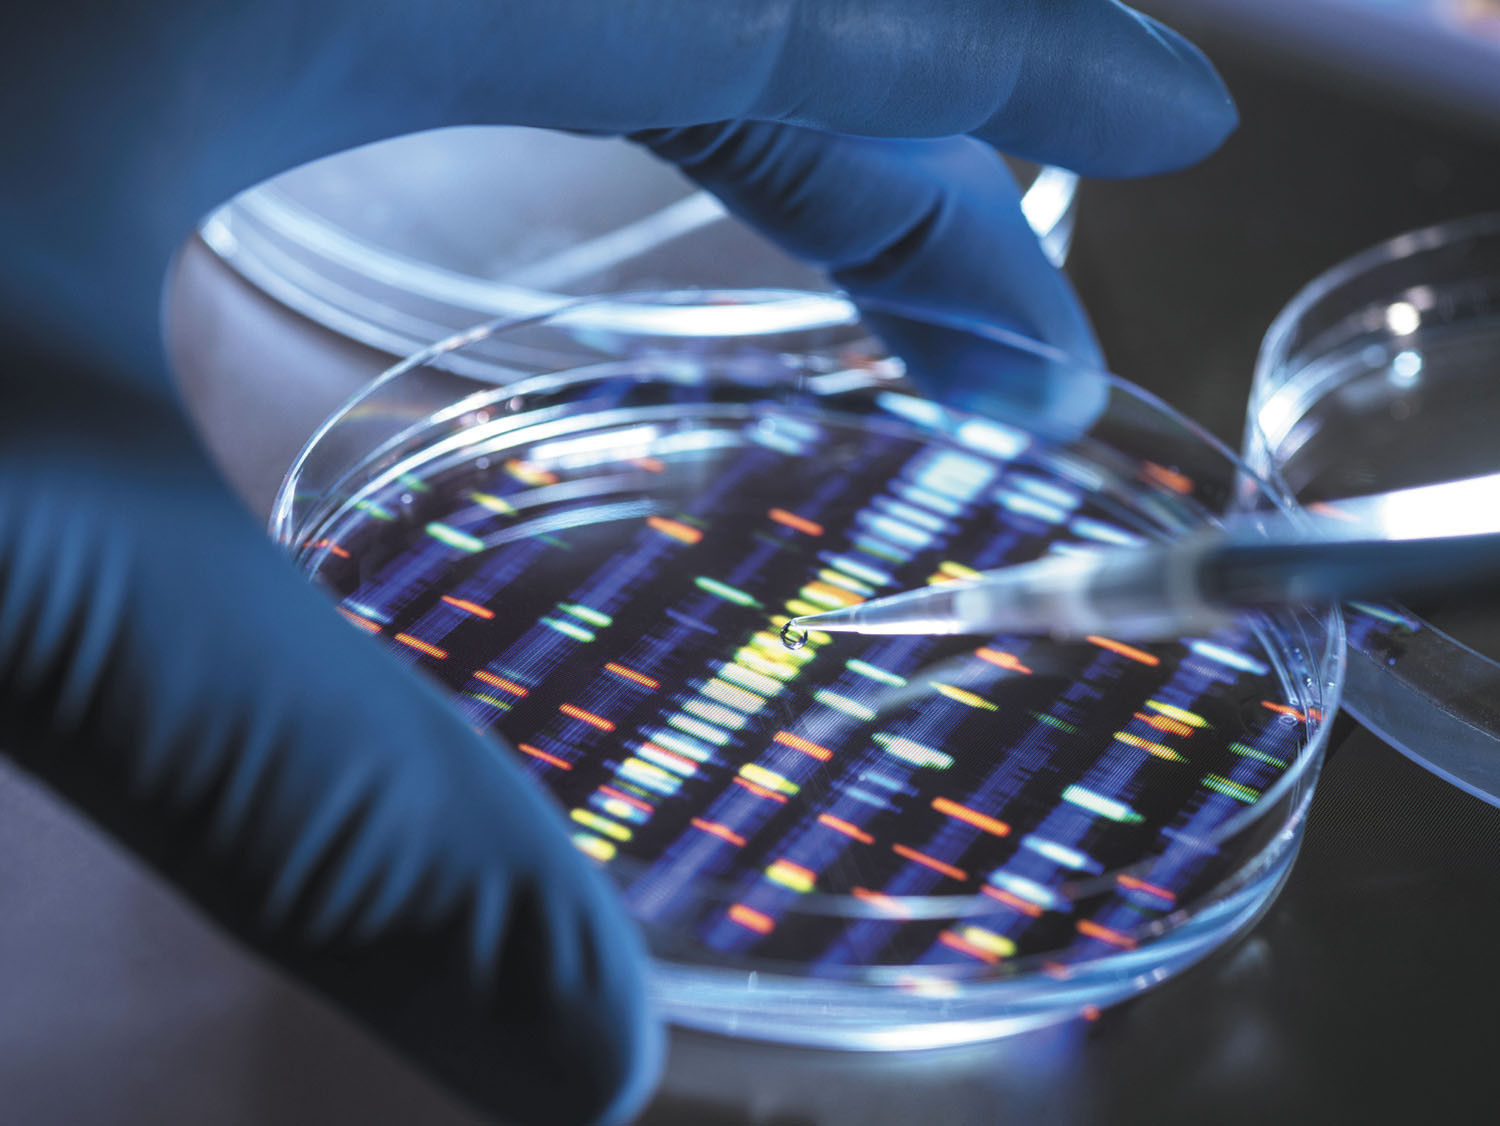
column 932, row 228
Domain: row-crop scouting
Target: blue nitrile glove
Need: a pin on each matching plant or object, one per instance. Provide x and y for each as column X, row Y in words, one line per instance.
column 930, row 227
column 164, row 668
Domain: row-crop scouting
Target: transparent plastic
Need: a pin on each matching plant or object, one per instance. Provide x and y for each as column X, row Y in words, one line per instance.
column 590, row 526
column 1380, row 375
column 402, row 243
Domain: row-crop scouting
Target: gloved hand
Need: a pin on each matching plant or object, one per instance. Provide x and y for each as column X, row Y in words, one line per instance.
column 169, row 673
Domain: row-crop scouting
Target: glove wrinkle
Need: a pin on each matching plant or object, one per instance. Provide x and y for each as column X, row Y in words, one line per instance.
column 902, row 246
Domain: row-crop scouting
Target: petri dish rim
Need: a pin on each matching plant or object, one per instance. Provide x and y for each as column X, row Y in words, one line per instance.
column 291, row 525
column 296, row 239
column 1416, row 705
column 733, row 314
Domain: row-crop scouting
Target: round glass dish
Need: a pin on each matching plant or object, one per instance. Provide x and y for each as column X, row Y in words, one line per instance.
column 589, row 527
column 1380, row 375
column 402, row 243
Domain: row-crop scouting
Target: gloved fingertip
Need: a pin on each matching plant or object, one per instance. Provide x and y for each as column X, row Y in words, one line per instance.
column 984, row 368
column 1106, row 91
column 1205, row 113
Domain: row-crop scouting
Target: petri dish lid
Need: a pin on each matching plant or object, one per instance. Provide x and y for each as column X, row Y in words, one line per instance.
column 1381, row 375
column 590, row 535
column 404, row 242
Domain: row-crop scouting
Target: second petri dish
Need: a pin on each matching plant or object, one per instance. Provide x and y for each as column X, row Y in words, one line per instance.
column 887, row 842
column 1380, row 375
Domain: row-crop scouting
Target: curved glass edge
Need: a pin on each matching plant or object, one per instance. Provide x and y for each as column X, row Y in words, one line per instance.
column 398, row 303
column 1432, row 732
column 855, row 1009
column 1276, row 344
column 1431, row 704
column 818, row 1013
column 304, row 501
column 697, row 314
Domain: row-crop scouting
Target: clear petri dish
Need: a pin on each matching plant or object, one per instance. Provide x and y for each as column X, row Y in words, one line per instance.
column 402, row 243
column 591, row 537
column 1380, row 375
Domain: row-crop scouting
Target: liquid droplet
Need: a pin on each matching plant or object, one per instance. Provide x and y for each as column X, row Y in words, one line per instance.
column 793, row 636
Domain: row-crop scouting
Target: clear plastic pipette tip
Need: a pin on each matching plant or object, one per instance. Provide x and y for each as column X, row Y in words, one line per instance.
column 1138, row 592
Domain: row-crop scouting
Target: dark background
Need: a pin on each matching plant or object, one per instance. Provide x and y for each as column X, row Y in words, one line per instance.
column 1370, row 991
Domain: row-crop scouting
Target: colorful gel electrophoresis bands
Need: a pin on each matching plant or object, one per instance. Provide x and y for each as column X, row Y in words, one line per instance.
column 615, row 620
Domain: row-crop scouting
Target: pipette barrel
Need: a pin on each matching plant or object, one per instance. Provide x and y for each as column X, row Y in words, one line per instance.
column 1136, row 593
